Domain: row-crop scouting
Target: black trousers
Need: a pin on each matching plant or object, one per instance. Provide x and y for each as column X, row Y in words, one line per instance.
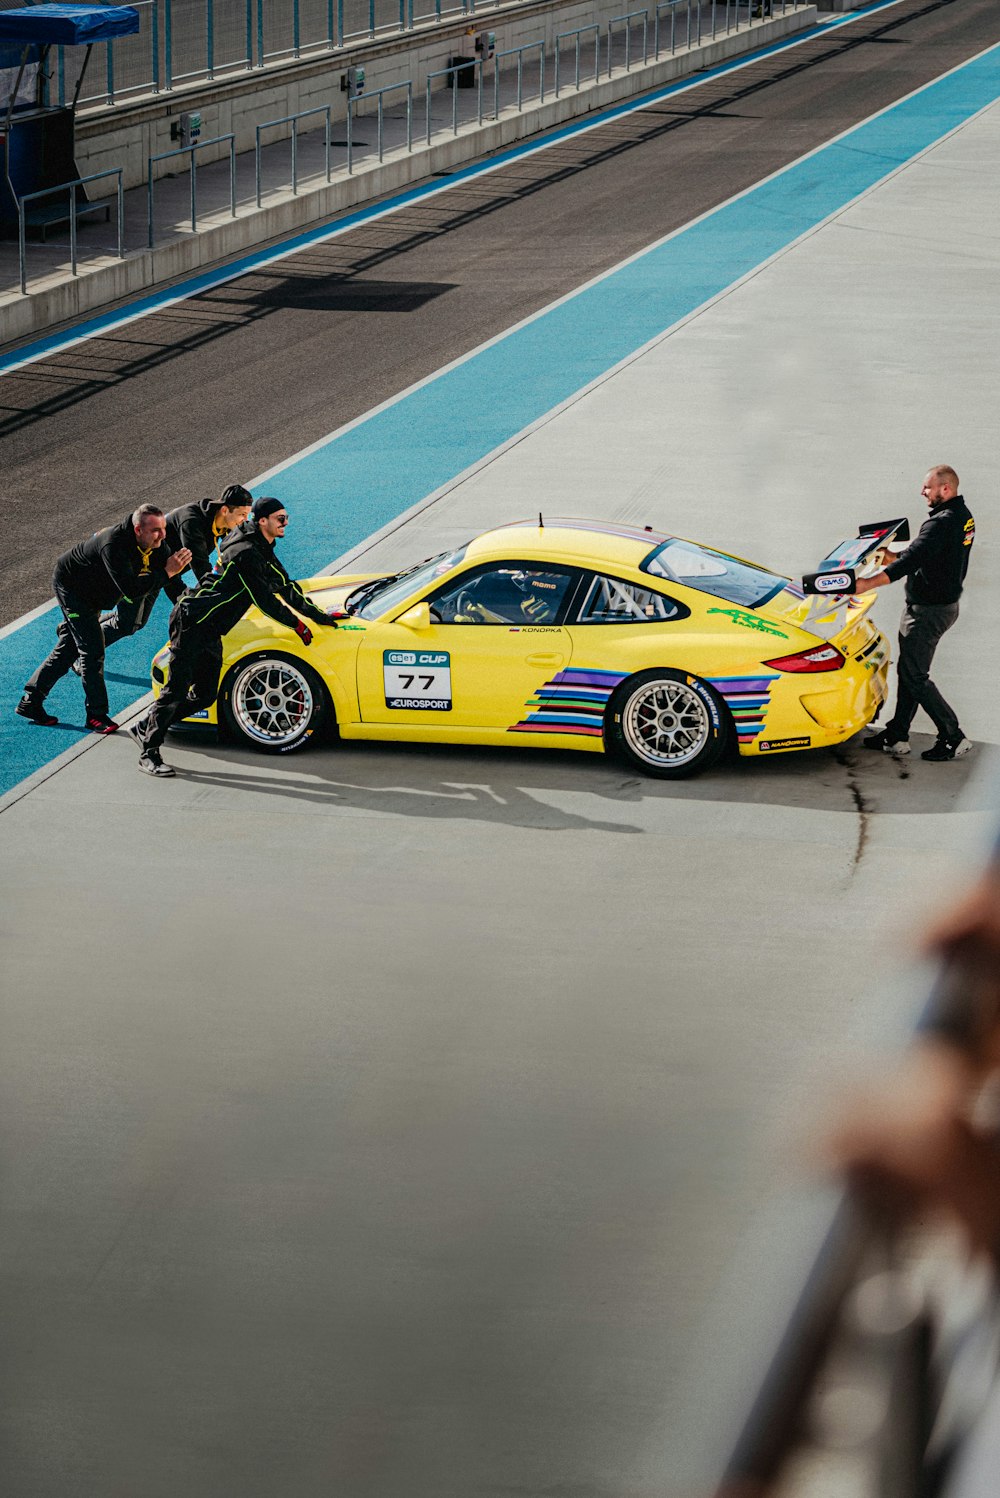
column 193, row 683
column 920, row 629
column 79, row 634
column 129, row 617
column 132, row 614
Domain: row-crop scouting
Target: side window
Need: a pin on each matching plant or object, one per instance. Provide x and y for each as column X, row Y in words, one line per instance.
column 608, row 600
column 503, row 593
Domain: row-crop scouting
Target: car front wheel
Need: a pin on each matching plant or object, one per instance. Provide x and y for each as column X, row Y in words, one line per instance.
column 274, row 704
column 666, row 723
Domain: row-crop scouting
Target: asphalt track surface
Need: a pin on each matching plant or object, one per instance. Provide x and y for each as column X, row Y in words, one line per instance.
column 215, row 389
column 381, row 1121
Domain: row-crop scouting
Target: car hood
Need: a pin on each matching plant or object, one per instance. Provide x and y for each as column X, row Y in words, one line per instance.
column 332, row 592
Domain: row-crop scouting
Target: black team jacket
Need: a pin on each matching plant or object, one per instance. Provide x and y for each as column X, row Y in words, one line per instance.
column 109, row 567
column 937, row 559
column 192, row 526
column 251, row 575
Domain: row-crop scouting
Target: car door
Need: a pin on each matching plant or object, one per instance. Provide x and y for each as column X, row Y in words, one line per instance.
column 494, row 637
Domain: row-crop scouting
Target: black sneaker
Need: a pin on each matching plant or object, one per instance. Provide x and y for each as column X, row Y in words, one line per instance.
column 33, row 708
column 887, row 744
column 150, row 763
column 948, row 749
column 138, row 730
column 101, row 724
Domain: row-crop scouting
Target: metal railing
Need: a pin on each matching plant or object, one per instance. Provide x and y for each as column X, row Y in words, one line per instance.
column 633, row 15
column 575, row 36
column 293, row 120
column 198, row 145
column 673, row 6
column 380, row 94
column 582, row 31
column 70, row 187
column 518, row 52
column 756, row 10
column 181, row 41
column 451, row 73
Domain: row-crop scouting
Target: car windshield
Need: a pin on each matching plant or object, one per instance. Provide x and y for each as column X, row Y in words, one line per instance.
column 383, row 593
column 713, row 572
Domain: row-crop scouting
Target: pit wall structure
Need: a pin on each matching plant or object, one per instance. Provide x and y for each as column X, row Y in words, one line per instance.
column 125, row 135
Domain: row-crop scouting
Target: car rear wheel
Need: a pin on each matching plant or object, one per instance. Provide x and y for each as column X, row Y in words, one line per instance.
column 666, row 723
column 274, row 704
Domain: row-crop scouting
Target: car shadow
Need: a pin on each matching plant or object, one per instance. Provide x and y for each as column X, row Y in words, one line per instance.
column 510, row 785
column 392, row 785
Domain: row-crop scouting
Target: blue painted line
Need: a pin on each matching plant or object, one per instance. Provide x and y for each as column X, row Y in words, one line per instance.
column 181, row 291
column 370, row 473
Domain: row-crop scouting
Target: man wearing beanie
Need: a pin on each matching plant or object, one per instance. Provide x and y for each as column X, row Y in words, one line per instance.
column 250, row 575
column 198, row 529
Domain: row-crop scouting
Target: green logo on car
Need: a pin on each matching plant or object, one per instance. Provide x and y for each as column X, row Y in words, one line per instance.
column 750, row 621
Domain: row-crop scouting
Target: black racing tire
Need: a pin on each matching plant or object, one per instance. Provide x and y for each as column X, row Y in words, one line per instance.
column 668, row 724
column 275, row 704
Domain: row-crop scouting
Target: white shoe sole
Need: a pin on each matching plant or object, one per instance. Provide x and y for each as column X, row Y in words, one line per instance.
column 158, row 772
column 898, row 751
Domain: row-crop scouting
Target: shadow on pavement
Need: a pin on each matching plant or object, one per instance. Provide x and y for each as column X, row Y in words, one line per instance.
column 504, row 785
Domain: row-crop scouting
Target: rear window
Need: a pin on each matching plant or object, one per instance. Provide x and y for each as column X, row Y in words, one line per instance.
column 609, row 600
column 712, row 572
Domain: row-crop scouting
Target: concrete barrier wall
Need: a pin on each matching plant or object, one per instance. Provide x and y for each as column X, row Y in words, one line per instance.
column 221, row 237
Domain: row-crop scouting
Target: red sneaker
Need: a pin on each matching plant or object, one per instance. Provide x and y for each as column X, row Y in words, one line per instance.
column 102, row 725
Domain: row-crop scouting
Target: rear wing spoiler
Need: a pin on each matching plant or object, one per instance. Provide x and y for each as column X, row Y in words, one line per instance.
column 832, row 585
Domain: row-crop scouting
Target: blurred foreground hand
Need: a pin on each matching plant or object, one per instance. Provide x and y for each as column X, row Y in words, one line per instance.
column 916, row 1144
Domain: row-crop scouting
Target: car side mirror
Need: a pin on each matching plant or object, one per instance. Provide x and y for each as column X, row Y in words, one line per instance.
column 419, row 617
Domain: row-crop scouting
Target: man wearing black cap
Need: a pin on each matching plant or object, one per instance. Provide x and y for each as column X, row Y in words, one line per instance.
column 122, row 563
column 199, row 530
column 251, row 575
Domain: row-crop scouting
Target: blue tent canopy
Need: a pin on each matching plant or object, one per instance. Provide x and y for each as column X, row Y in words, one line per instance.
column 67, row 25
column 12, row 52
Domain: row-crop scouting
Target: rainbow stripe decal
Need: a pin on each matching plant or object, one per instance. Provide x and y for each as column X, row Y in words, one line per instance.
column 572, row 702
column 747, row 698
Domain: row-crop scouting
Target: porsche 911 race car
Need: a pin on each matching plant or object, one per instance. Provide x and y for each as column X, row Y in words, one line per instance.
column 571, row 634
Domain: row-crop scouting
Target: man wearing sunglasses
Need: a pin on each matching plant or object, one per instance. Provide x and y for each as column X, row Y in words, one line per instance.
column 250, row 575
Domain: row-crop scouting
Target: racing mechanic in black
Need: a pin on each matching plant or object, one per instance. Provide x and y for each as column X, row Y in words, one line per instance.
column 251, row 575
column 934, row 565
column 120, row 564
column 198, row 529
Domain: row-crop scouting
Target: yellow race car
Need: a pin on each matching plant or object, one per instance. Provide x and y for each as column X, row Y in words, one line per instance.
column 571, row 634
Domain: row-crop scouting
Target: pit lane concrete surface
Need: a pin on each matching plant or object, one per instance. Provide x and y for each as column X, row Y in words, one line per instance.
column 383, row 1121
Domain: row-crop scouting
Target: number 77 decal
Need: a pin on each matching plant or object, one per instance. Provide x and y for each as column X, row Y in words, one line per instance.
column 433, row 690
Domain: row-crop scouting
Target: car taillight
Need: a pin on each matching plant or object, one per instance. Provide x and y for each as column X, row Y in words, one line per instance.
column 821, row 658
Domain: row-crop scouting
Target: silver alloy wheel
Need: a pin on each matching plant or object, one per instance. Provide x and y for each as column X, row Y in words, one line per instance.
column 272, row 702
column 666, row 723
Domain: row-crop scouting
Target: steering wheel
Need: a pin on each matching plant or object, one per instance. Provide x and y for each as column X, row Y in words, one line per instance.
column 462, row 603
